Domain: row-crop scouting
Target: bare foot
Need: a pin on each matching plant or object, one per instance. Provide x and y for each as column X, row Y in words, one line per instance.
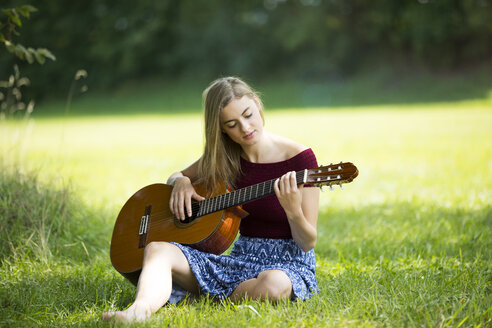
column 134, row 313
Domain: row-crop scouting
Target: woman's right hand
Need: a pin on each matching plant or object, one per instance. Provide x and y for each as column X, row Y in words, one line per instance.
column 181, row 196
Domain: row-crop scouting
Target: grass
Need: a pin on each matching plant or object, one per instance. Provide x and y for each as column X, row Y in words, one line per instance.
column 408, row 244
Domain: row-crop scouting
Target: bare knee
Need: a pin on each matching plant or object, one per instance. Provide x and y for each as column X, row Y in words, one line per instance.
column 161, row 251
column 274, row 285
column 155, row 247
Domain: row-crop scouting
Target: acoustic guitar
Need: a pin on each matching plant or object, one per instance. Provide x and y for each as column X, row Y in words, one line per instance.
column 214, row 222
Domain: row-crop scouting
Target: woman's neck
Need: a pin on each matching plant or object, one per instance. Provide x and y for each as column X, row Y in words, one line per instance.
column 263, row 151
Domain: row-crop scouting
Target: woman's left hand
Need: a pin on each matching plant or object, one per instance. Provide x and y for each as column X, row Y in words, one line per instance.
column 288, row 193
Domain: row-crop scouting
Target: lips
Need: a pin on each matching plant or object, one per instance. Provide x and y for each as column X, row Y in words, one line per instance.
column 250, row 135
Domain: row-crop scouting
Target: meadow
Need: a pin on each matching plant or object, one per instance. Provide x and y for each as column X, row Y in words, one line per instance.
column 407, row 244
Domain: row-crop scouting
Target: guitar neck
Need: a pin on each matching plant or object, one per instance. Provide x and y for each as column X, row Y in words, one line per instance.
column 240, row 196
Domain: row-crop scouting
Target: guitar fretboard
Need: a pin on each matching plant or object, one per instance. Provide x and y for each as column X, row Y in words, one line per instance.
column 238, row 197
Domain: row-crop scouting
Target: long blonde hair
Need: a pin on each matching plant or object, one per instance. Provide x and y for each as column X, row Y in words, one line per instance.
column 220, row 163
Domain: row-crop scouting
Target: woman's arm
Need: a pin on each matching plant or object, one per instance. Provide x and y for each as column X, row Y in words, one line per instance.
column 301, row 206
column 190, row 172
column 183, row 191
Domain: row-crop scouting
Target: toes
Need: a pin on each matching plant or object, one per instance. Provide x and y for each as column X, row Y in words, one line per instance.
column 107, row 315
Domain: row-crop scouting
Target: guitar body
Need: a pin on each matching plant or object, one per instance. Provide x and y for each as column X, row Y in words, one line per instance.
column 146, row 217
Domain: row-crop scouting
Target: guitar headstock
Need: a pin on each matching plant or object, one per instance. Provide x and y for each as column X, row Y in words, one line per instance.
column 333, row 174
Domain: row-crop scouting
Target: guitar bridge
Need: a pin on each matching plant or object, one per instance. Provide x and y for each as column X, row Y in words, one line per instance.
column 144, row 227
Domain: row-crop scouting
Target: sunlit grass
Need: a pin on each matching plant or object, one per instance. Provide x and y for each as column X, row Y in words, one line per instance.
column 429, row 153
column 407, row 244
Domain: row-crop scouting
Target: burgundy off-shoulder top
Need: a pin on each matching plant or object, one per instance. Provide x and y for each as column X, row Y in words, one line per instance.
column 267, row 218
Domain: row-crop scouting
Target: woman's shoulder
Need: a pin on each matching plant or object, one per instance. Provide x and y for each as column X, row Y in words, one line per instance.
column 290, row 147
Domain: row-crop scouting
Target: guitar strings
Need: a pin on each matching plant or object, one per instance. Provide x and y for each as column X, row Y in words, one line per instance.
column 220, row 199
column 213, row 207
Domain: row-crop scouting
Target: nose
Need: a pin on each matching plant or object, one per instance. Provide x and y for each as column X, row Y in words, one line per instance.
column 244, row 127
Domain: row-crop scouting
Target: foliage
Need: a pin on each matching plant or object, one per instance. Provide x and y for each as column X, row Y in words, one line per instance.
column 8, row 28
column 11, row 101
column 11, row 97
column 255, row 39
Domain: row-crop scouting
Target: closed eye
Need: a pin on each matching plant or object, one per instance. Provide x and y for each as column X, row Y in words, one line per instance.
column 245, row 116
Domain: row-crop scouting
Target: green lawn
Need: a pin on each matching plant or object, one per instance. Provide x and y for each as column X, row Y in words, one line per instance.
column 407, row 244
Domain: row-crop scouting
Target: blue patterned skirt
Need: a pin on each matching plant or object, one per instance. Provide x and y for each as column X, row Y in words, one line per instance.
column 219, row 275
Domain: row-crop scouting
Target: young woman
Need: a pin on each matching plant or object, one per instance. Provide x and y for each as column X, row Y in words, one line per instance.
column 273, row 257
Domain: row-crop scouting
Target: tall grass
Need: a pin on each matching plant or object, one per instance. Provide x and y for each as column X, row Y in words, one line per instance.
column 44, row 221
column 33, row 216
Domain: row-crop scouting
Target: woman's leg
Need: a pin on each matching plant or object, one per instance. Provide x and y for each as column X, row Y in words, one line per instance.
column 272, row 284
column 163, row 263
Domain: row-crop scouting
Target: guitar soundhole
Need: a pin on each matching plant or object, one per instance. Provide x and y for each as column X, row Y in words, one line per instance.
column 187, row 222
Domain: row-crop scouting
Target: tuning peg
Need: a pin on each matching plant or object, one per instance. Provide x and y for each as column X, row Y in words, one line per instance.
column 341, row 186
column 321, row 188
column 331, row 188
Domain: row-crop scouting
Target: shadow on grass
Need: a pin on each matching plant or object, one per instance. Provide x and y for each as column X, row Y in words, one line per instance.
column 374, row 88
column 406, row 264
column 436, row 292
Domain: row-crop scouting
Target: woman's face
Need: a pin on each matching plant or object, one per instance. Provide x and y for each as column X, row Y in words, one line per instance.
column 242, row 122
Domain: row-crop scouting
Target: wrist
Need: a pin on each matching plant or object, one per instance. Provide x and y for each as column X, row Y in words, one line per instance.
column 294, row 215
column 182, row 178
column 175, row 177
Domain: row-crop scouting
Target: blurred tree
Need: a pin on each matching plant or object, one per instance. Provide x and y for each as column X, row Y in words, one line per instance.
column 117, row 41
